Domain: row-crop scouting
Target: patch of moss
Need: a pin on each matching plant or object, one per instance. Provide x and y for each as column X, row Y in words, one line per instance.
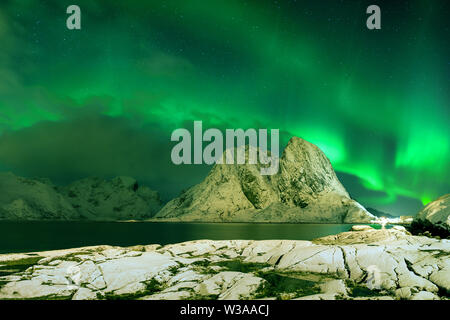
column 74, row 256
column 203, row 267
column 71, row 194
column 187, row 253
column 49, row 297
column 3, row 283
column 361, row 291
column 173, row 270
column 442, row 292
column 55, row 297
column 208, row 271
column 21, row 262
column 310, row 276
column 441, row 254
column 239, row 266
column 151, row 287
column 280, row 286
column 201, row 263
column 357, row 290
column 190, row 289
column 341, row 296
column 203, row 297
column 16, row 266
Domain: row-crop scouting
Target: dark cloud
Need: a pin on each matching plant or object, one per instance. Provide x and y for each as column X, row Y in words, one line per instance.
column 97, row 146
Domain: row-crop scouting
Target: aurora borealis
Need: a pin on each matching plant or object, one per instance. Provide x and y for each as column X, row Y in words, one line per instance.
column 103, row 100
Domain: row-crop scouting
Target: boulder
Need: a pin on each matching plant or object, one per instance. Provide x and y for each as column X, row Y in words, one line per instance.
column 434, row 218
column 403, row 293
column 424, row 295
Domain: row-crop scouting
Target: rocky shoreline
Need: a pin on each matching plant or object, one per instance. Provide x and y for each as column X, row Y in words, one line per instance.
column 360, row 264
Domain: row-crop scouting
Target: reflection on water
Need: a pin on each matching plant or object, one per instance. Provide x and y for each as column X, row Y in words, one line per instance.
column 39, row 236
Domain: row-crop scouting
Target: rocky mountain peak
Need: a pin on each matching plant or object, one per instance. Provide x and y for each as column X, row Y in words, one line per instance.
column 305, row 189
column 305, row 173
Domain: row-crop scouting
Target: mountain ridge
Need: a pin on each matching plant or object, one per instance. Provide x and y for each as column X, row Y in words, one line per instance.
column 90, row 198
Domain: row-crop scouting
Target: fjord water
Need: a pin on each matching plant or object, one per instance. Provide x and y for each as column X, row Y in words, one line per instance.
column 39, row 236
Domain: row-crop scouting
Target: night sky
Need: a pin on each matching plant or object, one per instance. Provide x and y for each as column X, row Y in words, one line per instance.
column 103, row 100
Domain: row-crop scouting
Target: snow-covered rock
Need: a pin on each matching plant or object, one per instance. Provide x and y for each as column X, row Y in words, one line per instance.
column 371, row 264
column 435, row 217
column 361, row 228
column 424, row 295
column 30, row 199
column 118, row 199
column 229, row 285
column 91, row 198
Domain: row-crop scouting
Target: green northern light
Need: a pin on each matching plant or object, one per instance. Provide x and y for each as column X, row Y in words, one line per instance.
column 376, row 102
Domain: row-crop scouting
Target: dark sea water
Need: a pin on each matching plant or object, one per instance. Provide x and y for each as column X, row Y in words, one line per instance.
column 39, row 236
